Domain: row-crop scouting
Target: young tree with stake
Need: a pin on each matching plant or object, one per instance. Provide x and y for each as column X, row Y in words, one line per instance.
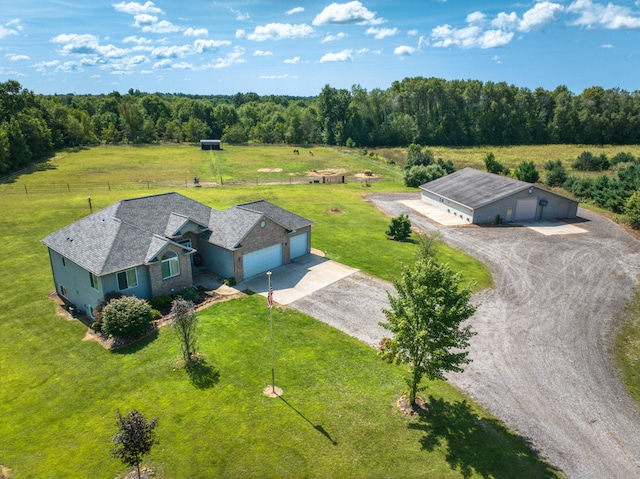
column 425, row 319
column 136, row 436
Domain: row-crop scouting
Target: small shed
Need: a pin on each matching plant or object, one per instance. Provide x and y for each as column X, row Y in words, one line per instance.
column 210, row 145
column 480, row 197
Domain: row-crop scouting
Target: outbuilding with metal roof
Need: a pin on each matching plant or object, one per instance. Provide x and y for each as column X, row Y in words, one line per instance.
column 484, row 198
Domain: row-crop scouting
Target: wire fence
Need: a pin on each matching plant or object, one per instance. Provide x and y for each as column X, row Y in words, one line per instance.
column 25, row 188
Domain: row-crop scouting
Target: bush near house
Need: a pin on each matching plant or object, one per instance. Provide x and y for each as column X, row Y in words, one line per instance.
column 126, row 316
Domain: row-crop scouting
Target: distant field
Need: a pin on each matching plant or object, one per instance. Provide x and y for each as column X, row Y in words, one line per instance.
column 511, row 156
column 176, row 165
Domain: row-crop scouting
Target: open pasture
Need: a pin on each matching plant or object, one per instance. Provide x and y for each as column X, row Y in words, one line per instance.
column 337, row 418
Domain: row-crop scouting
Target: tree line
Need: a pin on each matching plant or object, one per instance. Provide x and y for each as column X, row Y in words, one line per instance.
column 426, row 111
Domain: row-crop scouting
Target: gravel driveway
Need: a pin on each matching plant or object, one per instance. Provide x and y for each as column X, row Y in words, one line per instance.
column 540, row 360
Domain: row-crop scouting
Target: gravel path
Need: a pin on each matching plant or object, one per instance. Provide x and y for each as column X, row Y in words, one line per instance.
column 540, row 360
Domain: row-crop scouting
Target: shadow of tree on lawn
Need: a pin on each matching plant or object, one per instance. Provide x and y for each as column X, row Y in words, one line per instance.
column 202, row 375
column 483, row 446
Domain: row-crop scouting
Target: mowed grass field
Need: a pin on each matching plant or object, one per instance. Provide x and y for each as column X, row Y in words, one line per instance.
column 337, row 418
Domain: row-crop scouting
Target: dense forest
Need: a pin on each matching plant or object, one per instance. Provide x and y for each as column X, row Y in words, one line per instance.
column 425, row 111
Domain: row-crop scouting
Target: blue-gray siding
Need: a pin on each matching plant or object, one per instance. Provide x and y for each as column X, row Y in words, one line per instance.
column 217, row 259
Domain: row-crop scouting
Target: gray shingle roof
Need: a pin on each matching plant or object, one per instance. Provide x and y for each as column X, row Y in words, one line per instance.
column 289, row 220
column 474, row 188
column 131, row 232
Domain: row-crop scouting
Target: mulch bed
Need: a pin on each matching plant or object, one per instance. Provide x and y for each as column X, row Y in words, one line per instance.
column 205, row 299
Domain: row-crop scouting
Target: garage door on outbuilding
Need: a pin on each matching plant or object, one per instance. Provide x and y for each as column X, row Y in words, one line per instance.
column 482, row 198
column 526, row 208
column 262, row 260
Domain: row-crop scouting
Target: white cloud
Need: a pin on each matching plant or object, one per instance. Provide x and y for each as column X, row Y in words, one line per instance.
column 469, row 37
column 240, row 16
column 240, row 33
column 496, row 59
column 134, row 8
column 15, row 58
column 166, row 64
column 404, row 50
column 12, row 27
column 162, row 26
column 174, row 51
column 606, row 45
column 293, row 61
column 144, row 19
column 202, row 46
column 277, row 77
column 611, row 17
column 196, row 32
column 295, row 10
column 333, row 38
column 162, row 64
column 280, row 31
column 233, row 57
column 138, row 40
column 380, row 33
column 476, row 18
column 343, row 56
column 413, row 32
column 542, row 13
column 347, row 13
column 74, row 43
column 262, row 53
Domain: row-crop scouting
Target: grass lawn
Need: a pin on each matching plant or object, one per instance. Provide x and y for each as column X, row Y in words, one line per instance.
column 59, row 394
column 627, row 348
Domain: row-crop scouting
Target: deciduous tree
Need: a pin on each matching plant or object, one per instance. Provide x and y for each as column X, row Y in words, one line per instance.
column 135, row 438
column 185, row 322
column 425, row 319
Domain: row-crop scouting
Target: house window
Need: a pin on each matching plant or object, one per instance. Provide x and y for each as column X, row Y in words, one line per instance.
column 127, row 279
column 63, row 291
column 94, row 281
column 170, row 265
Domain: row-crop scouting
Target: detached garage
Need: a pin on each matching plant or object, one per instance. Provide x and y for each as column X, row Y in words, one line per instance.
column 479, row 198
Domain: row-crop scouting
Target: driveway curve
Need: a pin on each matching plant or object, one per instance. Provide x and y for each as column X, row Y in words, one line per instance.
column 540, row 357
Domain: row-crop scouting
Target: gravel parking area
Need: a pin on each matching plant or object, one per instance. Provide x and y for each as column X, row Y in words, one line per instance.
column 540, row 360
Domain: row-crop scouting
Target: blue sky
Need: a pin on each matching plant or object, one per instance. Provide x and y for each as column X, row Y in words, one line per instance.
column 297, row 47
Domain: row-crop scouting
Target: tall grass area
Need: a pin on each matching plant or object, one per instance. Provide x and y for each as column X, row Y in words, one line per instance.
column 627, row 347
column 337, row 418
column 512, row 156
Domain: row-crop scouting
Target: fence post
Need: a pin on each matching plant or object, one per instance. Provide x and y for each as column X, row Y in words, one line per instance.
column 148, row 184
column 109, row 185
column 68, row 189
column 25, row 190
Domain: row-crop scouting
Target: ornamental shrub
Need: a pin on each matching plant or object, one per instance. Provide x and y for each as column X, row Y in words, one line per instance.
column 400, row 228
column 126, row 316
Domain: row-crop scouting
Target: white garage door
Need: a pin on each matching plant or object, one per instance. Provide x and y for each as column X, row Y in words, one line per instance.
column 526, row 209
column 262, row 260
column 299, row 245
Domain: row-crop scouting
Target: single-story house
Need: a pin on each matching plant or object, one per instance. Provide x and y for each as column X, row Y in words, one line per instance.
column 153, row 245
column 210, row 145
column 480, row 197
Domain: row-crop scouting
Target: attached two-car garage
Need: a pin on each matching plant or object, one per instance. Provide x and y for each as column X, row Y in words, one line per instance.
column 271, row 257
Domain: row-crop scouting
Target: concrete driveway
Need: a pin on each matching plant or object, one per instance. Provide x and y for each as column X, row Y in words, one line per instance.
column 303, row 276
